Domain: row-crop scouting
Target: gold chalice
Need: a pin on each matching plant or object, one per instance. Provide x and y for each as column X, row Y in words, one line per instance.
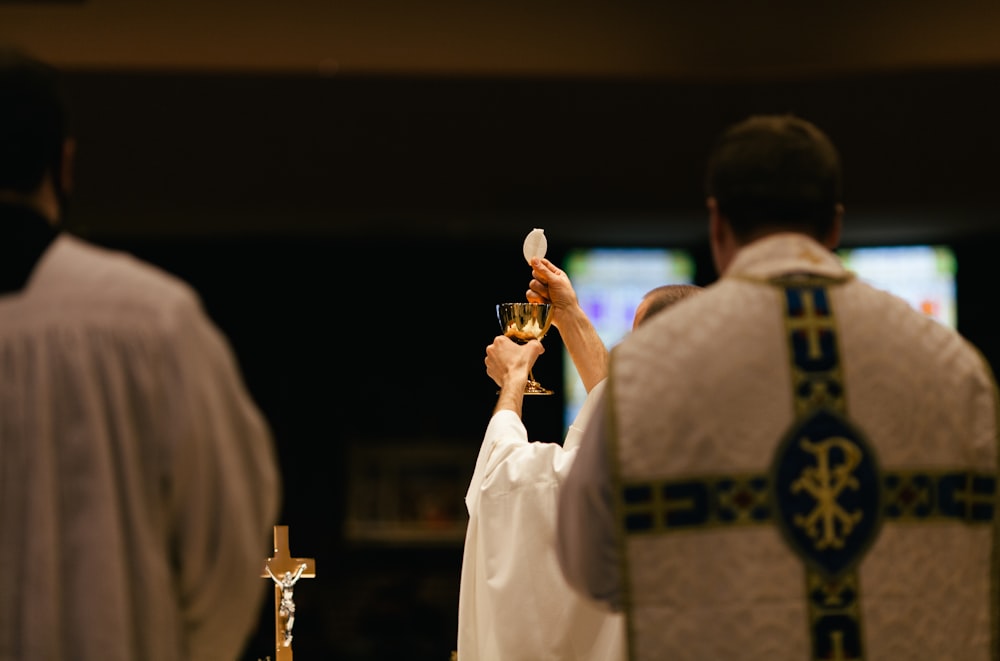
column 523, row 322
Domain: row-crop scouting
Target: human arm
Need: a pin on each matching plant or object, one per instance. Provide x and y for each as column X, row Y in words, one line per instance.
column 509, row 365
column 586, row 540
column 551, row 285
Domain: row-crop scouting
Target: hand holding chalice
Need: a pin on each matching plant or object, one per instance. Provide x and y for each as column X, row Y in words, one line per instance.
column 523, row 322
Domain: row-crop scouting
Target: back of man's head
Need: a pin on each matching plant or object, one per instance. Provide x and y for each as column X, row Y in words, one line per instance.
column 773, row 172
column 659, row 299
column 33, row 124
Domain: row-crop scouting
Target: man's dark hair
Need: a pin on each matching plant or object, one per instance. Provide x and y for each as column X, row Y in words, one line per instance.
column 774, row 172
column 33, row 122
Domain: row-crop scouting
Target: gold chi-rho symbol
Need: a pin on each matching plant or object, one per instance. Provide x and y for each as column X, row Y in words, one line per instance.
column 825, row 483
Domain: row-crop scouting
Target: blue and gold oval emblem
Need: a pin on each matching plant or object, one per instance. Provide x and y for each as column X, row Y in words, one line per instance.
column 827, row 492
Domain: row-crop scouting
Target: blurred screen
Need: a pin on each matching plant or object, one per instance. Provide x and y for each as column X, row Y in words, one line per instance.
column 923, row 275
column 609, row 283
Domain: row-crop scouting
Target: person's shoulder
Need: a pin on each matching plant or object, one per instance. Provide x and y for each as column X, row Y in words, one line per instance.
column 874, row 310
column 97, row 280
column 121, row 272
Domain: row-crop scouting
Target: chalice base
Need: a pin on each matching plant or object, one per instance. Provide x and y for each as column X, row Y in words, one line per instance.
column 535, row 388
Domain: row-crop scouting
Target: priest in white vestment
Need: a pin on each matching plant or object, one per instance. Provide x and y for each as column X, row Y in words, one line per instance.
column 794, row 465
column 138, row 479
column 514, row 603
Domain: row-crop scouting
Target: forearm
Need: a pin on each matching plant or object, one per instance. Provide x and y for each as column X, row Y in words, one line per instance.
column 585, row 347
column 511, row 397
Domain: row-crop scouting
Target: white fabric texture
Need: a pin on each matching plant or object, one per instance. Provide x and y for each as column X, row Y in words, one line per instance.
column 138, row 481
column 716, row 400
column 514, row 604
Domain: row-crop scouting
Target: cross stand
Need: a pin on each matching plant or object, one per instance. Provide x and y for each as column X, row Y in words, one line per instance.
column 285, row 571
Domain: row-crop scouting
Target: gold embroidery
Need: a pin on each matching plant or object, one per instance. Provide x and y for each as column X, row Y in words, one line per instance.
column 837, row 640
column 810, row 324
column 825, row 483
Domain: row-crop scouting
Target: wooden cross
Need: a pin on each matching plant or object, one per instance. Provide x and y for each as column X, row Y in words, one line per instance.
column 285, row 570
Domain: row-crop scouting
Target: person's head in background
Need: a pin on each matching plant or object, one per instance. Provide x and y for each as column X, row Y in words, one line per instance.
column 35, row 145
column 769, row 174
column 660, row 298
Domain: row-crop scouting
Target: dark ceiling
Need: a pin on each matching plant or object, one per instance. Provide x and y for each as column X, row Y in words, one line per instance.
column 471, row 120
column 549, row 38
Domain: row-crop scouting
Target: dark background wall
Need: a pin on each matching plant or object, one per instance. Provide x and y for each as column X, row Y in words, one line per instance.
column 353, row 235
column 172, row 154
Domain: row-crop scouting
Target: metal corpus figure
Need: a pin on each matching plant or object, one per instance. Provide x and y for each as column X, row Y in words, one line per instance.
column 286, row 608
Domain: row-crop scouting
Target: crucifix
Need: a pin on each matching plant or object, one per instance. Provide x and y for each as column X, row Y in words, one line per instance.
column 285, row 571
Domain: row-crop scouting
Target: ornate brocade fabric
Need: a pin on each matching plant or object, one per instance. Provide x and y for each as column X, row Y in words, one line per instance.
column 774, row 504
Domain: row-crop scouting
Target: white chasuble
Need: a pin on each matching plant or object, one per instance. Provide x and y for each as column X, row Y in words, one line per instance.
column 806, row 471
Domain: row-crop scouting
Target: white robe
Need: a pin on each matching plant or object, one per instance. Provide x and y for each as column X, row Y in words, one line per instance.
column 514, row 604
column 138, row 481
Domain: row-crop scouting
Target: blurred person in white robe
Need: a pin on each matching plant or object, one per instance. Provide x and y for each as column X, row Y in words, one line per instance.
column 514, row 604
column 139, row 484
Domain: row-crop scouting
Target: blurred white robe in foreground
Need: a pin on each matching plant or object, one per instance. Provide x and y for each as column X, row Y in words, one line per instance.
column 138, row 480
